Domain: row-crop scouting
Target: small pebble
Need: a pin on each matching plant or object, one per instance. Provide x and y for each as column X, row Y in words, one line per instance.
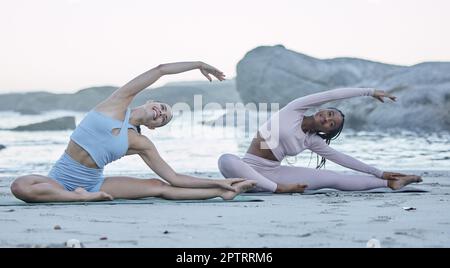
column 104, row 238
column 73, row 243
column 39, row 246
column 57, row 227
column 373, row 243
column 409, row 208
column 166, row 232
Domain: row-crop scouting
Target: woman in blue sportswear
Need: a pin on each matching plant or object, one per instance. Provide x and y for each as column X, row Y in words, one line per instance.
column 110, row 131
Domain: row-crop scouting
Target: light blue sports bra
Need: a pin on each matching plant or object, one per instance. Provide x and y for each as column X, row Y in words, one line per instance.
column 94, row 134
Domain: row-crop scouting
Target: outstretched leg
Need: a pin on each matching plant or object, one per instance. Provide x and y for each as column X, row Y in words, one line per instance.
column 133, row 188
column 318, row 178
column 38, row 188
column 268, row 178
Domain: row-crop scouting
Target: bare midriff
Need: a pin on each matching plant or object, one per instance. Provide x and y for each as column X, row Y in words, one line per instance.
column 255, row 148
column 77, row 153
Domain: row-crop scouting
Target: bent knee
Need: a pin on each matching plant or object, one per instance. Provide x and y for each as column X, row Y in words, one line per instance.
column 227, row 160
column 156, row 187
column 19, row 187
column 227, row 163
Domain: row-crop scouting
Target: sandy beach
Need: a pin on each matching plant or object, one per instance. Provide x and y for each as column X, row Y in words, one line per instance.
column 338, row 219
column 89, row 89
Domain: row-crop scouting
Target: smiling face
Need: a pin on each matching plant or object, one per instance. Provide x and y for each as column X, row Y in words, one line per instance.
column 327, row 120
column 157, row 114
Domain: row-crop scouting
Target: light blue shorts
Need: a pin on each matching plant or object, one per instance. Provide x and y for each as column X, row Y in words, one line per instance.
column 71, row 174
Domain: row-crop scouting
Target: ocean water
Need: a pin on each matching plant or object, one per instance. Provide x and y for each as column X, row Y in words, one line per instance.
column 191, row 147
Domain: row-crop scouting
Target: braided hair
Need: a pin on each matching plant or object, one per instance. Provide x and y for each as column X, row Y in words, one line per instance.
column 328, row 137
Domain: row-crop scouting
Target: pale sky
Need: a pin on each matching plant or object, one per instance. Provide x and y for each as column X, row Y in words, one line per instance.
column 67, row 45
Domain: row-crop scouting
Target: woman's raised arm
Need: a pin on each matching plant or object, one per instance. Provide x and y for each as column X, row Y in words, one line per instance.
column 125, row 94
column 320, row 98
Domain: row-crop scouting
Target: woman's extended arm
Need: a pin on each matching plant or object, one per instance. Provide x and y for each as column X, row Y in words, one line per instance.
column 318, row 145
column 148, row 152
column 125, row 94
column 336, row 94
column 352, row 163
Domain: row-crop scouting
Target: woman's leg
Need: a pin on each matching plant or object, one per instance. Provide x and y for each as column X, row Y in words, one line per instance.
column 318, row 178
column 132, row 188
column 38, row 188
column 231, row 166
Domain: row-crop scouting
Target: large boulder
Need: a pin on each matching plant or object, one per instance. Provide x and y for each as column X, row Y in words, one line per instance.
column 278, row 75
column 27, row 111
column 62, row 123
column 2, row 147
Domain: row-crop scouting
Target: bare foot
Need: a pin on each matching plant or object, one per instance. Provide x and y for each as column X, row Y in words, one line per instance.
column 88, row 196
column 402, row 181
column 240, row 187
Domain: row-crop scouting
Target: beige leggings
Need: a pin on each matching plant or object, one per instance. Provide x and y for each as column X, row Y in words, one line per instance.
column 269, row 173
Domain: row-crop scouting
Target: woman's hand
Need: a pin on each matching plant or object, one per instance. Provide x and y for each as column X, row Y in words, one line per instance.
column 290, row 188
column 392, row 175
column 207, row 69
column 380, row 94
column 227, row 184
